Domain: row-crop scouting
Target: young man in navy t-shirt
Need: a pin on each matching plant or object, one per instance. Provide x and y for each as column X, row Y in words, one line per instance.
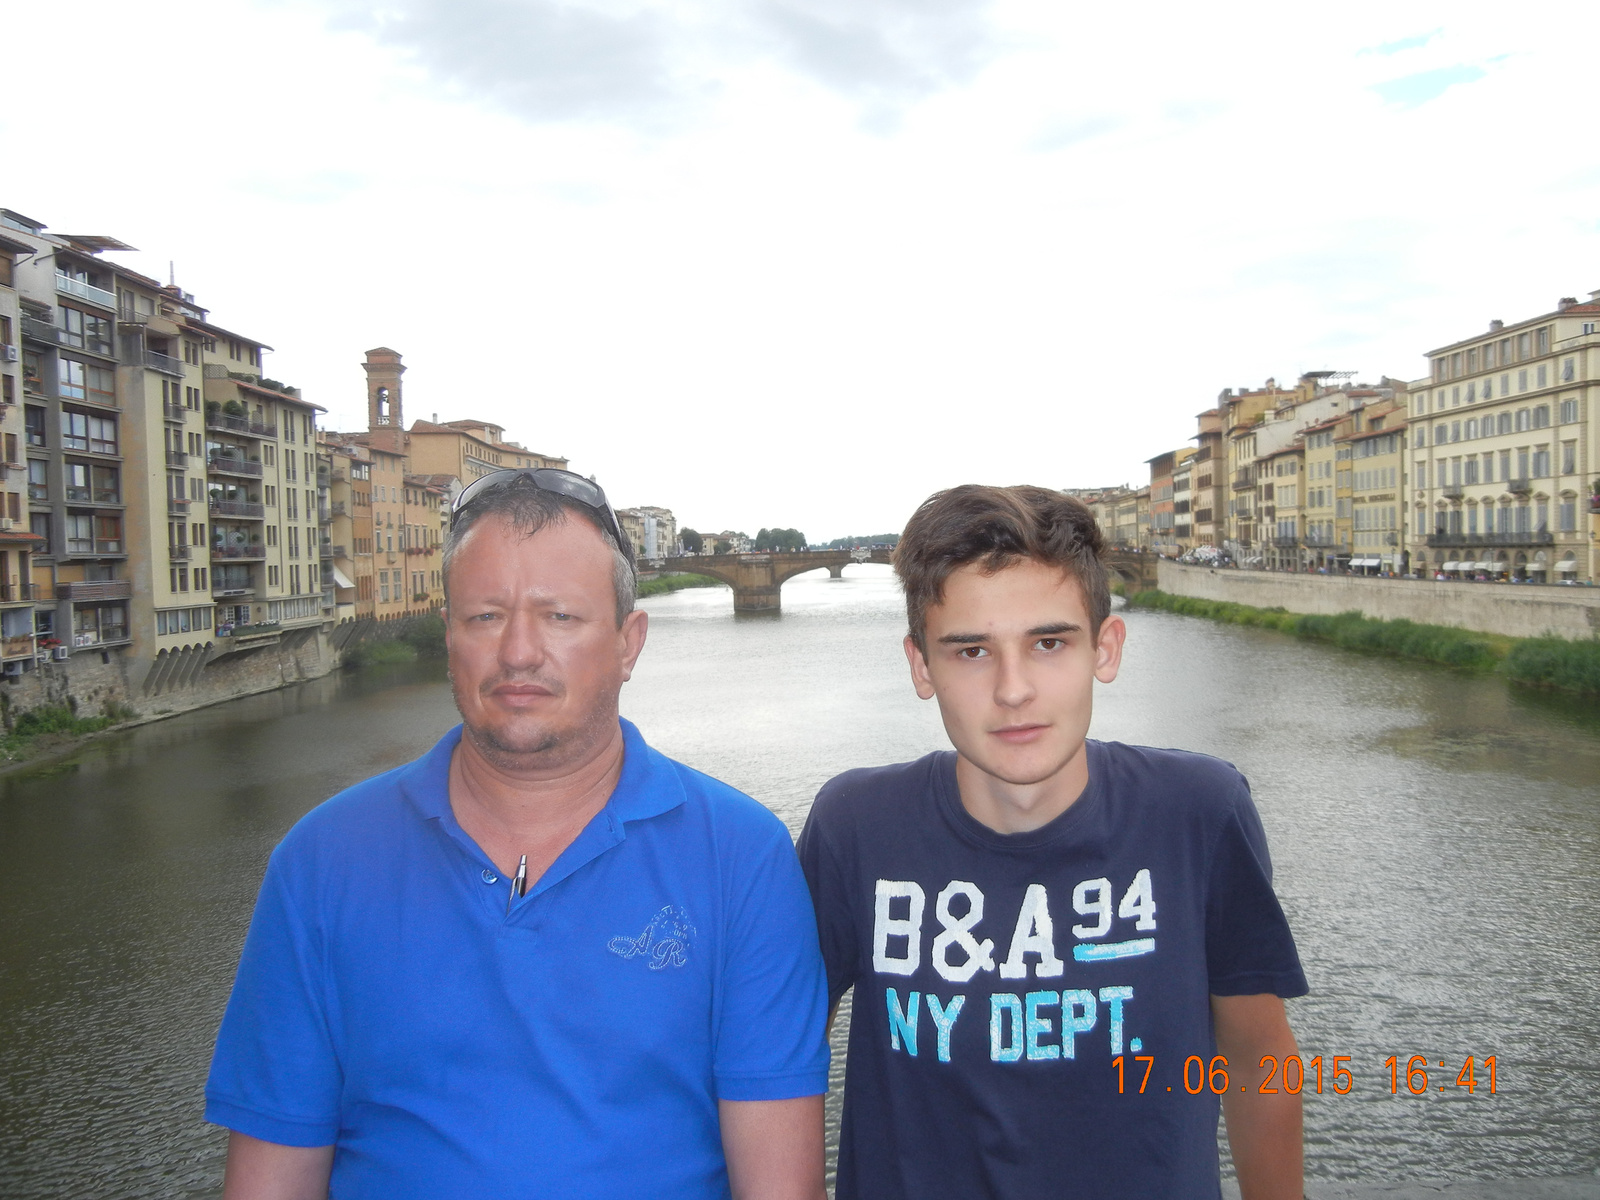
column 1052, row 940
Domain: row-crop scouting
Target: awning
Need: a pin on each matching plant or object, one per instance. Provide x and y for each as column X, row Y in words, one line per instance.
column 1488, row 566
column 340, row 578
column 1538, row 566
column 1451, row 566
column 1566, row 564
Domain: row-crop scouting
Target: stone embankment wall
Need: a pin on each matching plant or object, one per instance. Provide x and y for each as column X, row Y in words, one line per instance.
column 1515, row 610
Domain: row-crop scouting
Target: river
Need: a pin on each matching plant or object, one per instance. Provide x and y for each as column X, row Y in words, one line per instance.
column 1436, row 840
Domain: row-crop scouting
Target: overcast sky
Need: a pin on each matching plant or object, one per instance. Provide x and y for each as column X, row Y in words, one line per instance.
column 802, row 262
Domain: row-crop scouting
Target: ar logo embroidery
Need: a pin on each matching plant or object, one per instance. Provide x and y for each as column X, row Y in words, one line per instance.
column 666, row 940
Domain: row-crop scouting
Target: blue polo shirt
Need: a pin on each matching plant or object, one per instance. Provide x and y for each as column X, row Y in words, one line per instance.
column 387, row 1004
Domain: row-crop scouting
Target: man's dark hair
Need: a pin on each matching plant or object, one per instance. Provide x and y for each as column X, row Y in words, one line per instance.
column 995, row 527
column 528, row 508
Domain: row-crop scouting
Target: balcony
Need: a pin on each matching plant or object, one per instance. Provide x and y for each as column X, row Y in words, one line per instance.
column 178, row 553
column 177, row 506
column 338, row 551
column 1532, row 538
column 96, row 497
column 173, row 412
column 228, row 423
column 338, row 509
column 86, row 291
column 164, row 363
column 40, row 331
column 1452, row 491
column 229, row 464
column 419, row 549
column 102, row 548
column 1519, row 486
column 1285, row 543
column 20, row 593
column 252, row 550
column 177, row 458
column 419, row 597
column 238, row 508
column 95, row 589
column 229, row 589
column 17, row 647
column 1242, row 480
column 111, row 635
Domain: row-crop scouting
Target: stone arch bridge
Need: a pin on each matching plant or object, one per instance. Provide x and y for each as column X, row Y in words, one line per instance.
column 757, row 579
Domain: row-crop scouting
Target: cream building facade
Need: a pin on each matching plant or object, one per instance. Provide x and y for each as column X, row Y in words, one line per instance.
column 1503, row 458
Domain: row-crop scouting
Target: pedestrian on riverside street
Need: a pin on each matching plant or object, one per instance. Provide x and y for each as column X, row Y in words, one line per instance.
column 543, row 959
column 1050, row 938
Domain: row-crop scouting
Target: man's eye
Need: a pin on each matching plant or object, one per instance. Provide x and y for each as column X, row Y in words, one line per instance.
column 973, row 652
column 1048, row 643
column 561, row 616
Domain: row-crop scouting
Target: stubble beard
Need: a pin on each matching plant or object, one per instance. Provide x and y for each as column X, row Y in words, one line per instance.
column 540, row 747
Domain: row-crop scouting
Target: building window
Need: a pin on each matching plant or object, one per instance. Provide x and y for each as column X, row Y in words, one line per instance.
column 1542, row 338
column 1569, row 458
column 1541, row 463
column 1569, row 516
column 1569, row 411
column 38, row 479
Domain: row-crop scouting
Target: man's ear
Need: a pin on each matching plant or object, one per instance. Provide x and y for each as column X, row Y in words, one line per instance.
column 920, row 679
column 1108, row 648
column 632, row 634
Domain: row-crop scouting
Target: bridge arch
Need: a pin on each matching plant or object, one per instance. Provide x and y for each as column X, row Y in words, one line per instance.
column 757, row 579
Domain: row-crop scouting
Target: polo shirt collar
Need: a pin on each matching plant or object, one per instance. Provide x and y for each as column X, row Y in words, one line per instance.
column 649, row 784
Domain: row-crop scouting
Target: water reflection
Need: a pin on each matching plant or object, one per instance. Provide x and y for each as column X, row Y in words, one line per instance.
column 1436, row 838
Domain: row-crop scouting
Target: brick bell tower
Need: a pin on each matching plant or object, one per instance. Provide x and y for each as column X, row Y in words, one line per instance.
column 385, row 417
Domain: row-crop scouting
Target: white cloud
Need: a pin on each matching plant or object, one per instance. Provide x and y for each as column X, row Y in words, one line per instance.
column 799, row 265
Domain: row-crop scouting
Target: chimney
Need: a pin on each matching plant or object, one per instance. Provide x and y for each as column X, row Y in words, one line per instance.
column 1496, row 325
column 1565, row 303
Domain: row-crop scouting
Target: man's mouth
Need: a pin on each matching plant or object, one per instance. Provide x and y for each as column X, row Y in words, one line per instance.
column 1017, row 735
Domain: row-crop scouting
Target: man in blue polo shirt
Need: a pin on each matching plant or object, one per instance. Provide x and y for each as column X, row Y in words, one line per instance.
column 543, row 959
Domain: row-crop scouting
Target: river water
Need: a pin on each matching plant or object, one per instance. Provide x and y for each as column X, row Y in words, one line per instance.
column 1436, row 840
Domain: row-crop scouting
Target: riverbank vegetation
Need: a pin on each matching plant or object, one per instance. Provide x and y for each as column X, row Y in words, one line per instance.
column 663, row 584
column 39, row 729
column 422, row 637
column 1538, row 662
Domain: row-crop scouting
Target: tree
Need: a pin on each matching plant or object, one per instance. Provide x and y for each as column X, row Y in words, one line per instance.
column 693, row 543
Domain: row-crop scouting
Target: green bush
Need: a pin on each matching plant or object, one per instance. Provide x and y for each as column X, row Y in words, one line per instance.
column 1556, row 663
column 1461, row 648
column 676, row 583
column 426, row 636
column 368, row 654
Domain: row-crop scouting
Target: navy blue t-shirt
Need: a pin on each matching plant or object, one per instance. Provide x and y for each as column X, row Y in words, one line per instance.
column 999, row 976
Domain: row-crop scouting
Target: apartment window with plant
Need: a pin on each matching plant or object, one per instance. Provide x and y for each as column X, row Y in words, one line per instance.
column 38, row 479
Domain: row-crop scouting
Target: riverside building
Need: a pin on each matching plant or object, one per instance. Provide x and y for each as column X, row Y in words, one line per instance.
column 172, row 506
column 1503, row 465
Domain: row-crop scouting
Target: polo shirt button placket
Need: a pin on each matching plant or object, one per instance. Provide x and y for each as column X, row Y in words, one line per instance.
column 489, row 876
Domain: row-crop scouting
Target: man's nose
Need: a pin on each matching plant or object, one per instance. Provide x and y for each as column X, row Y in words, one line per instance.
column 522, row 645
column 1012, row 685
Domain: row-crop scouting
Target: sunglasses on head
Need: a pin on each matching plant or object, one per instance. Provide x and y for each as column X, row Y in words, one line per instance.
column 547, row 479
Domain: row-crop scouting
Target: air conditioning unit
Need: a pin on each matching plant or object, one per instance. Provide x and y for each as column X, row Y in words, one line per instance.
column 13, row 669
column 63, row 653
column 8, row 352
column 6, row 524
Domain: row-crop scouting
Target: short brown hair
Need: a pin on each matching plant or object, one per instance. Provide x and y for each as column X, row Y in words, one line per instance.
column 996, row 527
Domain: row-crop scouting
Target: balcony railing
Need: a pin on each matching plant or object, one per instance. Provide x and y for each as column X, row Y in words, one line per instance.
column 42, row 331
column 1452, row 491
column 178, row 553
column 78, row 495
column 95, row 589
column 85, row 291
column 245, row 425
column 419, row 597
column 231, row 465
column 91, row 548
column 252, row 550
column 1243, row 479
column 1285, row 543
column 338, row 551
column 177, row 458
column 177, row 506
column 15, row 593
column 17, row 647
column 338, row 509
column 231, row 587
column 237, row 508
column 1529, row 538
column 164, row 363
column 1519, row 486
column 173, row 412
